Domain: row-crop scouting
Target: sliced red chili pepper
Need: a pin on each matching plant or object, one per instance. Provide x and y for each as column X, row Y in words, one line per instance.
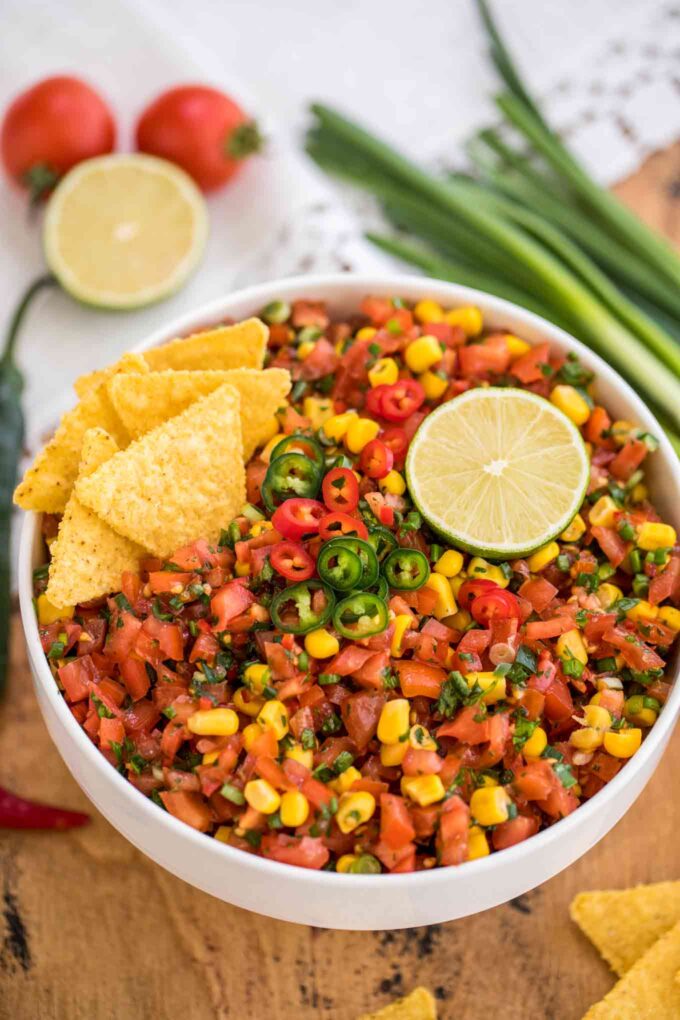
column 396, row 440
column 18, row 813
column 297, row 518
column 495, row 605
column 401, row 399
column 340, row 490
column 470, row 590
column 338, row 524
column 377, row 459
column 374, row 397
column 292, row 561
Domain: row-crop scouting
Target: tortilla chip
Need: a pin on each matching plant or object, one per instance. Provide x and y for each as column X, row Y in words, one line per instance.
column 239, row 346
column 47, row 484
column 648, row 991
column 86, row 383
column 419, row 1005
column 622, row 924
column 89, row 557
column 145, row 402
column 181, row 481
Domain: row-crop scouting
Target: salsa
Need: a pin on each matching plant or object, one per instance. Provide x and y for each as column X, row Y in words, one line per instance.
column 331, row 684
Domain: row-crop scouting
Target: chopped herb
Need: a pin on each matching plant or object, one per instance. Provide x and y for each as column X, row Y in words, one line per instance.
column 232, row 793
column 565, row 775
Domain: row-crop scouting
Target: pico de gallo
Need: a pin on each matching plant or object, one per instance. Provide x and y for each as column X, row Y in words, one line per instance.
column 330, row 684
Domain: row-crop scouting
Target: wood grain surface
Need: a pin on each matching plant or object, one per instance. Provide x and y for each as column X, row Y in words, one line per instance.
column 92, row 930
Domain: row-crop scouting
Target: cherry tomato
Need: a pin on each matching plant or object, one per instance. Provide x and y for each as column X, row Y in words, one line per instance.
column 340, row 490
column 376, row 460
column 292, row 561
column 338, row 524
column 52, row 126
column 298, row 518
column 401, row 399
column 202, row 130
column 396, row 440
column 495, row 605
column 472, row 589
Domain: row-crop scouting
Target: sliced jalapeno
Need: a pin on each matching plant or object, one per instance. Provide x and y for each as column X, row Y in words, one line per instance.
column 298, row 442
column 362, row 614
column 369, row 561
column 339, row 566
column 302, row 607
column 289, row 476
column 383, row 542
column 406, row 569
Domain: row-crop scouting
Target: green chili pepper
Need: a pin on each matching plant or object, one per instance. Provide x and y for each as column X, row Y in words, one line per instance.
column 370, row 569
column 383, row 542
column 382, row 588
column 292, row 611
column 307, row 446
column 365, row 864
column 339, row 566
column 406, row 569
column 276, row 311
column 361, row 615
column 288, row 476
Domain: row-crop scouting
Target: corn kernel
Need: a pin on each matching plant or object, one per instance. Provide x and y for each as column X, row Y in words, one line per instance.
column 248, row 706
column 670, row 617
column 262, row 796
column 536, row 744
column 394, row 483
column 427, row 310
column 608, row 594
column 435, row 386
column 393, row 754
column 294, row 808
column 423, row 353
column 318, row 410
column 298, row 753
column 336, row 427
column 257, row 676
column 210, row 757
column 490, row 805
column 478, row 567
column 597, row 718
column 621, row 431
column 656, row 536
column 602, row 513
column 49, row 613
column 384, row 372
column 274, row 715
column 424, row 790
column 345, row 780
column 570, row 402
column 394, row 721
column 242, row 569
column 641, row 710
column 516, row 346
column 571, row 646
column 643, row 611
column 250, row 733
column 639, row 493
column 345, row 862
column 573, row 531
column 586, row 739
column 360, row 432
column 259, row 528
column 542, row 557
column 449, row 563
column 468, row 317
column 446, row 603
column 321, row 644
column 215, row 722
column 267, row 450
column 223, row 834
column 623, row 743
column 486, row 780
column 305, row 349
column 402, row 623
column 366, row 333
column 354, row 809
column 493, row 685
column 478, row 844
column 457, row 582
column 420, row 738
column 461, row 620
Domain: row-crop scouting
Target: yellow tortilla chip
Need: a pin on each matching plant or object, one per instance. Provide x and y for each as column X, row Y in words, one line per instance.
column 86, row 383
column 181, row 481
column 239, row 346
column 648, row 991
column 622, row 924
column 145, row 402
column 89, row 557
column 419, row 1005
column 47, row 484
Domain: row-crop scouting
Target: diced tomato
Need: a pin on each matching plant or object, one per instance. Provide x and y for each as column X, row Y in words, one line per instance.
column 528, row 367
column 454, row 826
column 466, row 726
column 666, row 585
column 349, row 660
column 188, row 807
column 110, row 731
column 611, row 544
column 204, row 648
column 396, row 827
column 516, row 830
column 122, row 636
column 399, row 860
column 598, row 423
column 635, row 653
column 559, row 803
column 322, row 361
column 305, row 851
column 535, row 780
column 491, row 356
column 421, row 763
column 538, row 592
column 371, row 673
column 378, row 310
column 228, row 603
column 76, row 676
column 131, row 586
column 168, row 581
column 541, row 630
column 255, row 473
column 360, row 714
column 419, row 678
column 135, row 678
column 628, row 459
column 558, row 701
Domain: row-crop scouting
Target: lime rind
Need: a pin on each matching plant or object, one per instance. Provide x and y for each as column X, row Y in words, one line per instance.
column 464, row 539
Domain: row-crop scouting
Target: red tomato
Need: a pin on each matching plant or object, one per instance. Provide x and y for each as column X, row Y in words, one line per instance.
column 666, row 584
column 495, row 605
column 292, row 561
column 396, row 440
column 360, row 714
column 396, row 827
column 528, row 367
column 339, row 524
column 628, row 459
column 340, row 490
column 229, row 602
column 202, row 130
column 538, row 592
column 611, row 544
column 419, row 679
column 478, row 360
column 376, row 460
column 401, row 399
column 52, row 126
column 516, row 830
column 298, row 518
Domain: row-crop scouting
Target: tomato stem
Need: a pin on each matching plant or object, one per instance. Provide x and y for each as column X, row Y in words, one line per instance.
column 244, row 141
column 39, row 179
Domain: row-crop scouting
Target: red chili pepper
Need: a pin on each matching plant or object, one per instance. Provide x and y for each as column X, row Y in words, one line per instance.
column 377, row 459
column 396, row 440
column 298, row 518
column 472, row 589
column 373, row 404
column 495, row 605
column 18, row 813
column 340, row 490
column 292, row 561
column 401, row 400
column 338, row 524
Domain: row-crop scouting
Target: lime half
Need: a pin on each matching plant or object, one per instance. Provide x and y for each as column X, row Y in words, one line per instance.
column 124, row 231
column 499, row 472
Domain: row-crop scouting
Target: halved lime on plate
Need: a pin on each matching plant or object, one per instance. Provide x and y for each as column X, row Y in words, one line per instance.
column 124, row 231
column 498, row 472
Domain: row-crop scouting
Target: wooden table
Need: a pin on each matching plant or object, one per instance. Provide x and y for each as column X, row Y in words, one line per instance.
column 92, row 930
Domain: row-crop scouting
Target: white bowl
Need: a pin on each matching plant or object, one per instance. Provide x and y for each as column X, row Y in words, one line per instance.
column 325, row 899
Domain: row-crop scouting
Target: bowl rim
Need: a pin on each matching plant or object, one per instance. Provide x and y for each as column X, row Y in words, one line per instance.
column 362, row 283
